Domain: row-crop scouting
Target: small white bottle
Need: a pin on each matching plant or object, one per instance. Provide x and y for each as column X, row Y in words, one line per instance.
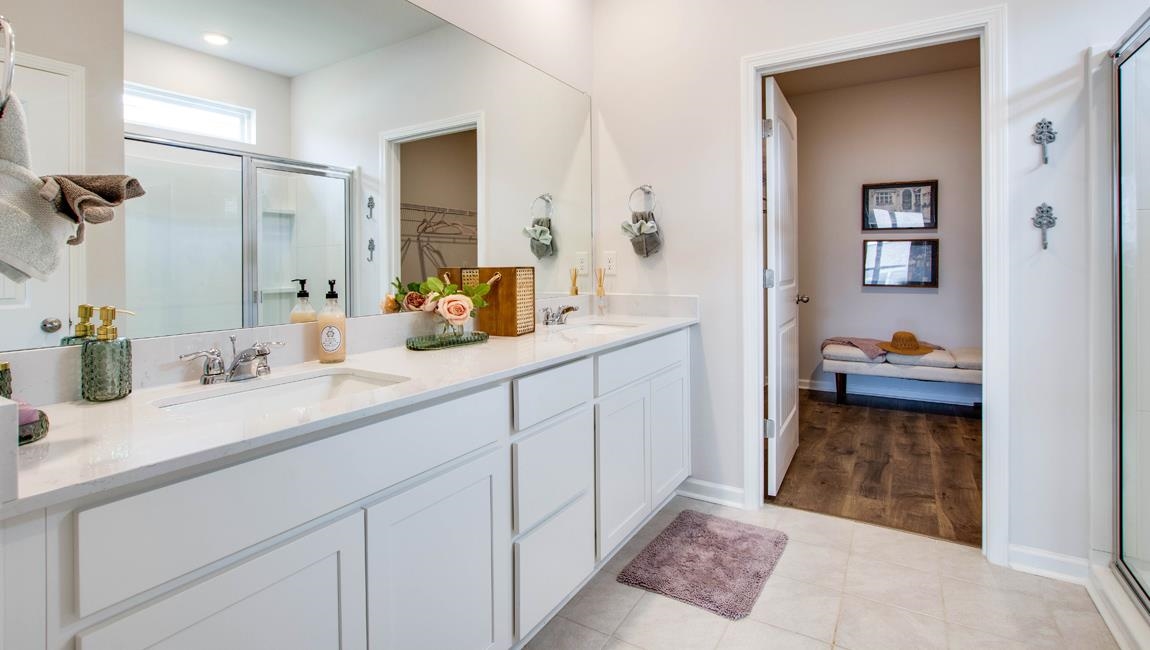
column 303, row 312
column 332, row 329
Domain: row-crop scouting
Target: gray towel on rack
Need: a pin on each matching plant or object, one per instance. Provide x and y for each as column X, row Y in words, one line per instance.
column 539, row 248
column 646, row 244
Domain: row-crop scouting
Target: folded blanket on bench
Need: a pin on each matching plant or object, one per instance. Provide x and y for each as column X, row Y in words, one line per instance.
column 869, row 347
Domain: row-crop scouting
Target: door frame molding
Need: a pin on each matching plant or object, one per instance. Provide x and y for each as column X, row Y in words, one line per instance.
column 989, row 26
column 389, row 169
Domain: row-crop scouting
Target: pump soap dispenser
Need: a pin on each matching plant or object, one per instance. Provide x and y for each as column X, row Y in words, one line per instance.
column 106, row 361
column 303, row 312
column 84, row 329
column 332, row 329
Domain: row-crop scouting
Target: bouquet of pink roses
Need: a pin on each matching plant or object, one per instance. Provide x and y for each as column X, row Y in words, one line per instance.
column 451, row 302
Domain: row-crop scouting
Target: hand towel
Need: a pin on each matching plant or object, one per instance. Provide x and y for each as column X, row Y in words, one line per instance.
column 14, row 133
column 644, row 232
column 32, row 233
column 542, row 237
column 88, row 199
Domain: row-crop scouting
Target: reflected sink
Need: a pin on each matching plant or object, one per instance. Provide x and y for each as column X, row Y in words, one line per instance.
column 598, row 328
column 269, row 396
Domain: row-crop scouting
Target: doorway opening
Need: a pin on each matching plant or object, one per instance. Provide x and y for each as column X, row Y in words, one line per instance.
column 872, row 172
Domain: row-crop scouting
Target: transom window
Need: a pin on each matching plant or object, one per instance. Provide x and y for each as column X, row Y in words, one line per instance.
column 162, row 109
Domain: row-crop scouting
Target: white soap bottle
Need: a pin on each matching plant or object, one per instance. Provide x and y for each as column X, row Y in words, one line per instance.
column 332, row 329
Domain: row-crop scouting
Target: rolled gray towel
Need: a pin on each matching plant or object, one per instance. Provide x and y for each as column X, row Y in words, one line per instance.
column 646, row 244
column 539, row 248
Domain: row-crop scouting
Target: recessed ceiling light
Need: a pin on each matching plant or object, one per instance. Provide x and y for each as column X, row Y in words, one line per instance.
column 216, row 39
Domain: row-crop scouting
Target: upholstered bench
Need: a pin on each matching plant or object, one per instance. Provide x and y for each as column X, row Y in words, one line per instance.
column 960, row 365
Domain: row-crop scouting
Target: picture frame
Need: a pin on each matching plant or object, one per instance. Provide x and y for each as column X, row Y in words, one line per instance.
column 906, row 205
column 905, row 263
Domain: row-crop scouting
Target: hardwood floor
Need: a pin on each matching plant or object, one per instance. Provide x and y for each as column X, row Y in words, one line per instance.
column 915, row 466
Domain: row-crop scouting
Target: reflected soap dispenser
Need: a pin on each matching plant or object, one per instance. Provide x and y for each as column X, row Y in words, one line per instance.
column 106, row 361
column 303, row 312
column 84, row 329
column 332, row 329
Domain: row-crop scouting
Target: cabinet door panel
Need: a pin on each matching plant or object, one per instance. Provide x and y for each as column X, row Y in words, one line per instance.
column 306, row 594
column 670, row 444
column 624, row 490
column 439, row 572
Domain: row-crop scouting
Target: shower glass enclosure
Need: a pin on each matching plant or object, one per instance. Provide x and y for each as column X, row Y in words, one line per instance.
column 227, row 232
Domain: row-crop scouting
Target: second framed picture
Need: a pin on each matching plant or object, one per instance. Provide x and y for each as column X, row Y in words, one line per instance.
column 910, row 205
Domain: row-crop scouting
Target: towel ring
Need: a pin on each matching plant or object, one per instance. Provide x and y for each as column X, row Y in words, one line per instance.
column 546, row 198
column 648, row 193
column 9, row 61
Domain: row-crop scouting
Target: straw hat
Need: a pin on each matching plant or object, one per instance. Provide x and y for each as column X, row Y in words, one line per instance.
column 905, row 343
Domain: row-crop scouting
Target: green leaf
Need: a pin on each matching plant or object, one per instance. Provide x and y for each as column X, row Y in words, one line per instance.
column 450, row 289
column 482, row 289
column 435, row 284
column 411, row 286
column 479, row 302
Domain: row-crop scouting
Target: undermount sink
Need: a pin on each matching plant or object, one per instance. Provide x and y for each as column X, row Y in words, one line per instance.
column 599, row 328
column 269, row 396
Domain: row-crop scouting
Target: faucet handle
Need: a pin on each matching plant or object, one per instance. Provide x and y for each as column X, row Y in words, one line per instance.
column 213, row 361
column 264, row 348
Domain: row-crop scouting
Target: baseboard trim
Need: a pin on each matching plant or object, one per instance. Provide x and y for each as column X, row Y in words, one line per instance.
column 1039, row 562
column 724, row 495
column 894, row 393
column 1126, row 622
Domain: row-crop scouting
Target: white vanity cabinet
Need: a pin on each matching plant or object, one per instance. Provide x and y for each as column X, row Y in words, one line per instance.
column 642, row 433
column 305, row 594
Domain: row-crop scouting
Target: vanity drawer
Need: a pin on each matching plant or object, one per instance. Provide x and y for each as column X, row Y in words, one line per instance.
column 621, row 367
column 552, row 466
column 129, row 546
column 552, row 560
column 549, row 393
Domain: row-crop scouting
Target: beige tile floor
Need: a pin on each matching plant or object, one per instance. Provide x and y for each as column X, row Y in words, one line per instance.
column 839, row 584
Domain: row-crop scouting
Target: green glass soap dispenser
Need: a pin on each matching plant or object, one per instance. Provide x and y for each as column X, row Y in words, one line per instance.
column 106, row 361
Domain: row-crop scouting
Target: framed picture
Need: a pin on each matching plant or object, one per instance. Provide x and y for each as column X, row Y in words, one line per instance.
column 900, row 263
column 912, row 205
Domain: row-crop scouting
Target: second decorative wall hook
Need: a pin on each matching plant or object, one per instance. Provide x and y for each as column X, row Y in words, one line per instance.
column 1044, row 134
column 370, row 207
column 1044, row 220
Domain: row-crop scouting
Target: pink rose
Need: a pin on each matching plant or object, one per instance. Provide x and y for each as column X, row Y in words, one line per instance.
column 455, row 309
column 413, row 301
column 432, row 302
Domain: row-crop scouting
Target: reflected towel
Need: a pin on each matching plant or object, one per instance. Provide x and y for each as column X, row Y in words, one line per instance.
column 89, row 199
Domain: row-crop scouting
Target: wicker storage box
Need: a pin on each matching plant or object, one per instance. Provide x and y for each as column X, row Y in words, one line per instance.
column 510, row 309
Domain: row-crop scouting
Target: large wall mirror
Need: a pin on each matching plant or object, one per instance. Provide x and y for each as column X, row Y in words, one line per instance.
column 1132, row 253
column 277, row 141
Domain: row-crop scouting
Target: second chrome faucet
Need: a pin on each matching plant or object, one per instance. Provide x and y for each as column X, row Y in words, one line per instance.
column 249, row 363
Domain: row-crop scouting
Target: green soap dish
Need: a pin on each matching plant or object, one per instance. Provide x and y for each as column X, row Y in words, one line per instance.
column 34, row 431
column 441, row 341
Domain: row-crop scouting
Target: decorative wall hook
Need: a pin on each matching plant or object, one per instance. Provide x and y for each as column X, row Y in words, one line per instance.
column 1044, row 220
column 370, row 207
column 1044, row 134
column 371, row 249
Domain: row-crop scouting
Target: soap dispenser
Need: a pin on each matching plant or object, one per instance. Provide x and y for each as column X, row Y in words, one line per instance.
column 84, row 329
column 332, row 328
column 106, row 361
column 303, row 312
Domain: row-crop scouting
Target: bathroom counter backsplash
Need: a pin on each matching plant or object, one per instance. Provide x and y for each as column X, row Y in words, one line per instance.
column 95, row 447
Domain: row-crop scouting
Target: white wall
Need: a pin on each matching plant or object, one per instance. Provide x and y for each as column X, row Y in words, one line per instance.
column 177, row 69
column 553, row 35
column 536, row 139
column 916, row 128
column 667, row 113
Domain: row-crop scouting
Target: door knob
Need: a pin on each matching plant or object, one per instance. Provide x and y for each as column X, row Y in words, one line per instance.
column 51, row 325
column 800, row 298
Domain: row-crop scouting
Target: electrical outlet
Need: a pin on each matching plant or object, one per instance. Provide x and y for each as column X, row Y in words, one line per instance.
column 610, row 262
column 581, row 263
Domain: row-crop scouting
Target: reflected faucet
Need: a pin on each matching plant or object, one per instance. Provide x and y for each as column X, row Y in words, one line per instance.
column 559, row 316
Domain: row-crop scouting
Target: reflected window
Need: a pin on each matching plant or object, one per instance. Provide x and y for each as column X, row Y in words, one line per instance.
column 162, row 109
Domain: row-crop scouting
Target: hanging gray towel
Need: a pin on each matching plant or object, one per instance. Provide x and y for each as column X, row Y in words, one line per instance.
column 646, row 238
column 542, row 239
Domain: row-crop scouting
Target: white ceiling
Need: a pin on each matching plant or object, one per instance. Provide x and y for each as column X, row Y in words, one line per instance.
column 288, row 37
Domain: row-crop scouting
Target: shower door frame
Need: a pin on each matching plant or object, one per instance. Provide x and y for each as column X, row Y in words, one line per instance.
column 250, row 164
column 1130, row 43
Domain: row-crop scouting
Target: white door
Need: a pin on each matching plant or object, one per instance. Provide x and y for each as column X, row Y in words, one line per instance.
column 45, row 96
column 306, row 594
column 780, row 187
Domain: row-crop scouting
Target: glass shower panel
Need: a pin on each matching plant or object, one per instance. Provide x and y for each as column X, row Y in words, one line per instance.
column 183, row 241
column 301, row 232
column 1134, row 278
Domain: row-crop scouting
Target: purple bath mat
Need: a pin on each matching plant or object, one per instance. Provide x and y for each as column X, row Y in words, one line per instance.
column 707, row 561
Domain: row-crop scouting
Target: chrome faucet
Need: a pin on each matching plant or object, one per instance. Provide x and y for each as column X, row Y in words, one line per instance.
column 557, row 316
column 246, row 364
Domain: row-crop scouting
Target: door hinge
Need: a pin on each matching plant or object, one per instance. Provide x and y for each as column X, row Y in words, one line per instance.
column 768, row 279
column 768, row 127
column 768, row 429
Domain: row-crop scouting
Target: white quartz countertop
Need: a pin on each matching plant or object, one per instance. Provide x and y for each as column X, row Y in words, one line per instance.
column 95, row 447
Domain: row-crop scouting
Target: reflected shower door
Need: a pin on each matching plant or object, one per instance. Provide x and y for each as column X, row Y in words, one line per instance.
column 301, row 231
column 183, row 241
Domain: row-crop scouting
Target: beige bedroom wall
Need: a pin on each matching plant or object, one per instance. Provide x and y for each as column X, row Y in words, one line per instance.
column 440, row 171
column 917, row 128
